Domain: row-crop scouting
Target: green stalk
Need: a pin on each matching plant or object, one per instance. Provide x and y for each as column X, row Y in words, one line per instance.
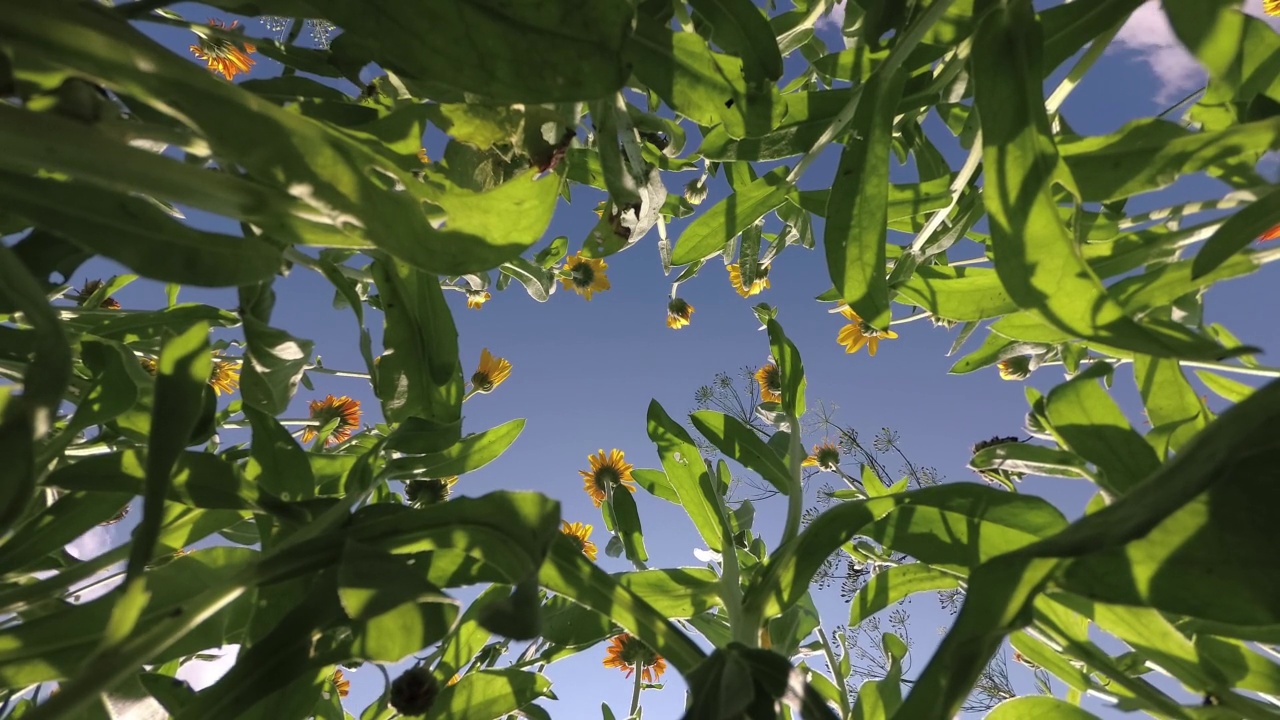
column 731, row 583
column 831, row 663
column 635, row 691
column 1077, row 72
column 795, row 499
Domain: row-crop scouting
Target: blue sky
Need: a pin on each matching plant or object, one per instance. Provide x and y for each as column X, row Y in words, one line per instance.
column 584, row 372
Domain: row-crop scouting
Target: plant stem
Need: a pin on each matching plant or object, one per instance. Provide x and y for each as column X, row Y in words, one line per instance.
column 1077, row 72
column 635, row 692
column 1227, row 367
column 731, row 582
column 135, row 10
column 294, row 31
column 795, row 499
column 835, row 674
column 338, row 373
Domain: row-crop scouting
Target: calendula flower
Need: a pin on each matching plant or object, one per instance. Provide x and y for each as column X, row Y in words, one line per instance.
column 579, row 532
column 477, row 298
column 1271, row 7
column 695, row 191
column 678, row 312
column 422, row 156
column 825, row 456
column 453, row 680
column 857, row 333
column 1274, row 232
column 82, row 296
column 586, row 275
column 222, row 56
column 429, row 491
column 414, row 692
column 225, row 376
column 626, row 652
column 1017, row 367
column 341, row 684
column 757, row 286
column 490, row 372
column 770, row 381
column 346, row 410
column 607, row 471
column 148, row 364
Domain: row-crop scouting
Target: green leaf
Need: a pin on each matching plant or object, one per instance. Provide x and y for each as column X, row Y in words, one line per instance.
column 656, row 483
column 489, row 695
column 66, row 519
column 1022, row 165
column 809, row 114
column 1147, row 155
column 1088, row 422
column 963, row 293
column 1169, row 399
column 855, row 233
column 1237, row 233
column 880, row 699
column 1224, row 387
column 628, row 526
column 905, row 202
column 1163, row 285
column 396, row 612
column 274, row 360
column 742, row 444
column 790, row 368
column 115, row 390
column 470, row 453
column 706, row 87
column 198, row 479
column 675, row 592
column 276, row 462
column 739, row 28
column 1039, row 708
column 728, row 218
column 419, row 375
column 1213, row 31
column 570, row 625
column 894, row 584
column 687, row 474
column 1032, row 460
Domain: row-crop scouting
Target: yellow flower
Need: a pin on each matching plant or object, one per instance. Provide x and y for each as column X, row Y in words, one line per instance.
column 606, row 471
column 586, row 275
column 148, row 364
column 628, row 653
column 477, row 298
column 580, row 532
column 342, row 684
column 344, row 408
column 225, row 376
column 453, row 680
column 1017, row 367
column 678, row 312
column 770, row 380
column 857, row 333
column 490, row 373
column 422, row 156
column 224, row 56
column 757, row 286
column 1271, row 7
column 82, row 295
column 825, row 456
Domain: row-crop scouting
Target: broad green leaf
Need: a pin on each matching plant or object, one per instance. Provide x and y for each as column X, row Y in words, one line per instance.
column 1237, row 233
column 687, row 474
column 1147, row 155
column 793, row 627
column 739, row 28
column 656, row 482
column 1032, row 460
column 469, row 637
column 1022, row 165
column 706, row 87
column 855, row 233
column 66, row 519
column 1040, row 707
column 1087, row 421
column 809, row 114
column 1169, row 399
column 963, row 293
column 1224, row 387
column 743, row 445
column 894, row 584
column 790, row 368
column 1163, row 285
column 728, row 218
column 880, row 699
column 569, row 573
column 1060, row 666
column 138, row 235
column 1071, row 26
column 128, row 326
column 905, row 202
column 675, row 592
column 198, row 479
column 274, row 360
column 489, row 695
column 570, row 625
column 419, row 375
column 1213, row 31
column 276, row 462
column 470, row 453
column 395, row 611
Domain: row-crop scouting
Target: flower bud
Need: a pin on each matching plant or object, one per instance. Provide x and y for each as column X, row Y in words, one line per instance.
column 413, row 692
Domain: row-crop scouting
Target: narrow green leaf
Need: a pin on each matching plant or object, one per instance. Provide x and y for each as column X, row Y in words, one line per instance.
column 728, row 218
column 1039, row 708
column 743, row 445
column 489, row 694
column 628, row 520
column 66, row 519
column 790, row 368
column 1237, row 233
column 892, row 585
column 395, row 611
column 276, row 462
column 470, row 453
column 739, row 27
column 1169, row 399
column 687, row 474
column 656, row 482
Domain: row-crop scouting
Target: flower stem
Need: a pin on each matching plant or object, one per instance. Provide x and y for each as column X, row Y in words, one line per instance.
column 635, row 692
column 338, row 373
column 835, row 674
column 795, row 498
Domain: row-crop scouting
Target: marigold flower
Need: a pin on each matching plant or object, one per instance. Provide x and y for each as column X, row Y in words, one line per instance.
column 1017, row 367
column 422, row 156
column 429, row 491
column 346, row 410
column 607, row 471
column 757, row 286
column 678, row 312
column 490, row 372
column 414, row 692
column 223, row 56
column 341, row 684
column 826, row 456
column 580, row 533
column 627, row 652
column 1274, row 232
column 477, row 298
column 858, row 333
column 770, row 380
column 225, row 376
column 1271, row 7
column 90, row 287
column 586, row 275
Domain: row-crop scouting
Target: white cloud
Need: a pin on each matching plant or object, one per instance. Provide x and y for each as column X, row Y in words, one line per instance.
column 200, row 674
column 833, row 20
column 91, row 544
column 1149, row 34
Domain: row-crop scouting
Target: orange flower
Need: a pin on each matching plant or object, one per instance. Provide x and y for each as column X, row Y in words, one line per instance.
column 826, row 456
column 770, row 380
column 606, row 471
column 477, row 298
column 1274, row 232
column 342, row 684
column 579, row 532
column 223, row 56
column 858, row 333
column 628, row 653
column 346, row 410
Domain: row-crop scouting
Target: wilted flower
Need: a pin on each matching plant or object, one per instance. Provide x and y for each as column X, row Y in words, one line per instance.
column 222, row 56
column 607, row 471
column 490, row 372
column 90, row 287
column 678, row 312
